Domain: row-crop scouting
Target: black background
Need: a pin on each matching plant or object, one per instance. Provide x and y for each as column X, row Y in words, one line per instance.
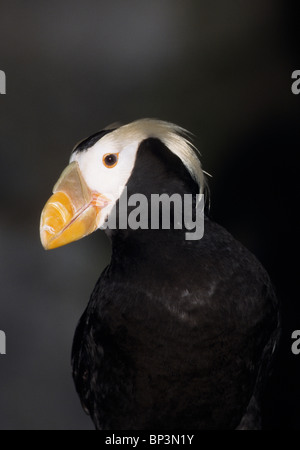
column 220, row 69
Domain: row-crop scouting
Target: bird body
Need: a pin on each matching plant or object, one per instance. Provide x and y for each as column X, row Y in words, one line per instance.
column 151, row 352
column 178, row 333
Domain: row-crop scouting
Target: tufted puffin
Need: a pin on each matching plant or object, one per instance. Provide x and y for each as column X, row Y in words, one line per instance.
column 179, row 333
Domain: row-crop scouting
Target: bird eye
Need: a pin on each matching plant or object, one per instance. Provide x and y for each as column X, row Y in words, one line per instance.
column 110, row 159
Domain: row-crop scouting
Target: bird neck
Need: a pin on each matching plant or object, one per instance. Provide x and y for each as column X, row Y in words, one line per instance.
column 159, row 195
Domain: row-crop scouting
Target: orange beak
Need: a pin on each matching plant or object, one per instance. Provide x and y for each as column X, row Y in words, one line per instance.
column 72, row 212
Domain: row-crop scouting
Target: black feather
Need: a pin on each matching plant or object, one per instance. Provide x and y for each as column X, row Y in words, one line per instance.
column 90, row 141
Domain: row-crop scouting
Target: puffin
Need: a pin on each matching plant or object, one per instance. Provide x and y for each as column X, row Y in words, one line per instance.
column 181, row 328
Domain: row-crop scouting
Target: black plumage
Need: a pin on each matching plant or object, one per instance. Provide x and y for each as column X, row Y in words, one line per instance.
column 178, row 334
column 88, row 142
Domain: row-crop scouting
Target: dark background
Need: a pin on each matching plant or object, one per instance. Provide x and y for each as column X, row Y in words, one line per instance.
column 220, row 69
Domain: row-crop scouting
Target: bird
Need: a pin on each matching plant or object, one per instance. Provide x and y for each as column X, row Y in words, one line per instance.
column 181, row 330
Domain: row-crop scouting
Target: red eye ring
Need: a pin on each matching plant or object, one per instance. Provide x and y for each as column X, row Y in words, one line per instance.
column 110, row 160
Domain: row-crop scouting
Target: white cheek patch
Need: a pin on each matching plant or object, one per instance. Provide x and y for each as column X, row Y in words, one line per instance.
column 109, row 182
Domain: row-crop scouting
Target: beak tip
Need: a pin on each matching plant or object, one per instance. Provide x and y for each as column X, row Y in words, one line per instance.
column 44, row 239
column 48, row 224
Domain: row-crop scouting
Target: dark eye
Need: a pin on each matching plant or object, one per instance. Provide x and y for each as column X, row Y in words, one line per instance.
column 110, row 160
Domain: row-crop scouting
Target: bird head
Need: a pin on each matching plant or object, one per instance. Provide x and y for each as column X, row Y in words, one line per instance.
column 99, row 170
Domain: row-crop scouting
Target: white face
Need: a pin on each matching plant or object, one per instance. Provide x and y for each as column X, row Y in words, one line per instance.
column 100, row 176
column 106, row 167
